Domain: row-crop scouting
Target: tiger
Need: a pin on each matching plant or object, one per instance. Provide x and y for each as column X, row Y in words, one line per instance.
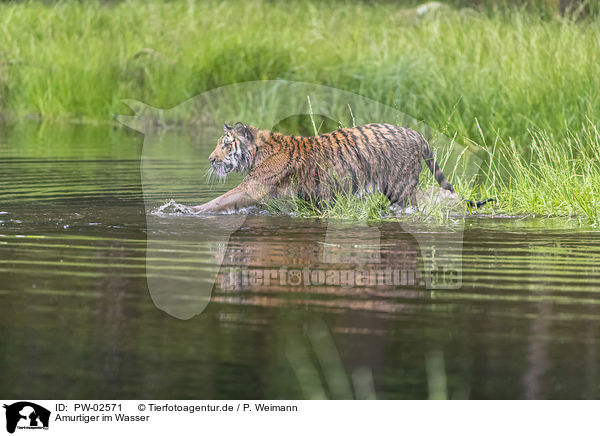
column 372, row 157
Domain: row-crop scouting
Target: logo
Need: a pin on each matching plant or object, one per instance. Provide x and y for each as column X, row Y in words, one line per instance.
column 26, row 415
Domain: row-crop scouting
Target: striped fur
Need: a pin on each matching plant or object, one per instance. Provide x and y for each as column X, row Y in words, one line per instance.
column 379, row 157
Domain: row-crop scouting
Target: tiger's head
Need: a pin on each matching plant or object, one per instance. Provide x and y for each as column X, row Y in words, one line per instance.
column 233, row 151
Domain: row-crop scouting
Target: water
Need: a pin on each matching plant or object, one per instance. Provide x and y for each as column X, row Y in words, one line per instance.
column 78, row 318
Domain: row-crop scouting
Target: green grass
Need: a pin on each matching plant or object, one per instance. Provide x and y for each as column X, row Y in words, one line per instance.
column 554, row 180
column 524, row 86
column 342, row 205
column 512, row 71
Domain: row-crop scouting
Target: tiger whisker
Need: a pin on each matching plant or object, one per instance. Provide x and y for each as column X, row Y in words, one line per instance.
column 209, row 175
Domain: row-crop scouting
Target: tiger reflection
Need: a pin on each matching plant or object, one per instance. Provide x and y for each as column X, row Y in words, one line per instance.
column 334, row 266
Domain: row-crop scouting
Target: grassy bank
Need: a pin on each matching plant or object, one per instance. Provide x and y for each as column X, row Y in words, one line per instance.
column 488, row 77
column 556, row 179
column 512, row 71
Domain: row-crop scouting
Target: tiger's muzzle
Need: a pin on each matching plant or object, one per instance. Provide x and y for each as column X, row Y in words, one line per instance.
column 220, row 166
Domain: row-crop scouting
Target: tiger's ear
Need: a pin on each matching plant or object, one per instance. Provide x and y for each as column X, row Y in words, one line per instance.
column 226, row 128
column 242, row 130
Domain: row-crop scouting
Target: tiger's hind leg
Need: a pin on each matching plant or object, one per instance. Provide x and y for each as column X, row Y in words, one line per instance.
column 413, row 207
column 404, row 199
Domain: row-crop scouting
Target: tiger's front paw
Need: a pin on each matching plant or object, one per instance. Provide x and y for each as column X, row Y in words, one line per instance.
column 200, row 208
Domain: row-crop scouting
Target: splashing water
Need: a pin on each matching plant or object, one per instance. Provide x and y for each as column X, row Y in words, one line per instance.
column 171, row 207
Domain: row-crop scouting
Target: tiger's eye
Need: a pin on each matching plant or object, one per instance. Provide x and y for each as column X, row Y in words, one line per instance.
column 226, row 141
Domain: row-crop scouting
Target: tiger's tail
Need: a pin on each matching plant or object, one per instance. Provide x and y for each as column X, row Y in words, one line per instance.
column 434, row 167
column 441, row 178
column 479, row 203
